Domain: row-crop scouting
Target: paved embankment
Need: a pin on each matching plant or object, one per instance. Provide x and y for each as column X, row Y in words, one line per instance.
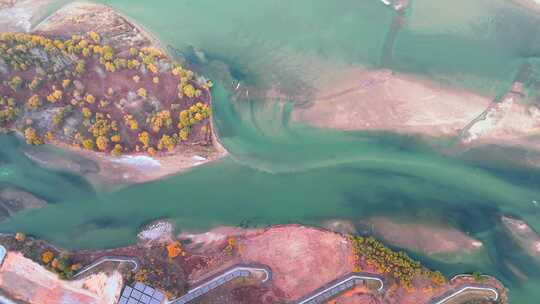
column 340, row 285
column 107, row 259
column 219, row 280
column 457, row 292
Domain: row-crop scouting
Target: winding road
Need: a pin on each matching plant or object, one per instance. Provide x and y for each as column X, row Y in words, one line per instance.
column 464, row 290
column 227, row 276
column 106, row 259
column 319, row 296
column 341, row 285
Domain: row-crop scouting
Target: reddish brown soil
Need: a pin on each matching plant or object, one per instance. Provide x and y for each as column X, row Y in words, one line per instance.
column 122, row 83
column 302, row 259
column 295, row 253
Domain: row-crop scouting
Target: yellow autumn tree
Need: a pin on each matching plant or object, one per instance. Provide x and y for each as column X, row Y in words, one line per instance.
column 117, row 150
column 184, row 133
column 174, row 250
column 88, row 144
column 86, row 112
column 55, row 96
column 142, row 92
column 47, row 257
column 131, row 122
column 66, row 83
column 80, row 67
column 144, row 138
column 102, row 143
column 110, row 67
column 94, row 36
column 166, row 142
column 86, row 52
column 49, row 136
column 160, row 120
column 183, row 119
column 90, row 98
column 31, row 136
column 33, row 103
column 176, row 71
column 189, row 91
column 152, row 68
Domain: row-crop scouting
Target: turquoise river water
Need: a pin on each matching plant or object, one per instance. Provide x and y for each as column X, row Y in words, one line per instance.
column 283, row 172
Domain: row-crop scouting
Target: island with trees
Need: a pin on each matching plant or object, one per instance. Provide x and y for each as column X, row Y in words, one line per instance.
column 89, row 80
column 79, row 92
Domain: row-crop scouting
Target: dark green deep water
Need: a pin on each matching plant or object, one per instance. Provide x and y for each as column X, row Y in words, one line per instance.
column 280, row 172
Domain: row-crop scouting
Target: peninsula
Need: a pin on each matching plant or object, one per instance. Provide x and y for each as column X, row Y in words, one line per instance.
column 232, row 265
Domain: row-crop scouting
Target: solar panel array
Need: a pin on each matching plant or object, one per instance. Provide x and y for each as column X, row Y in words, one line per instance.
column 199, row 291
column 141, row 294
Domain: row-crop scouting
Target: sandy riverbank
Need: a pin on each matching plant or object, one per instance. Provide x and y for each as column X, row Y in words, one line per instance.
column 431, row 239
column 140, row 168
column 359, row 99
column 106, row 171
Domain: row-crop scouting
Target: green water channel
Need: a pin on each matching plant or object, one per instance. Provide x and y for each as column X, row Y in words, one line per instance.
column 283, row 172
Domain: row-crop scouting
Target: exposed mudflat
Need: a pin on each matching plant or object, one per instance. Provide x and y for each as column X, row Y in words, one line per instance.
column 13, row 200
column 524, row 236
column 359, row 99
column 382, row 100
column 427, row 238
